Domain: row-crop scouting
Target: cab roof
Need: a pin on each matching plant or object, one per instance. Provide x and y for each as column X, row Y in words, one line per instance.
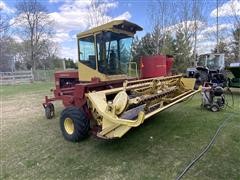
column 123, row 25
column 235, row 69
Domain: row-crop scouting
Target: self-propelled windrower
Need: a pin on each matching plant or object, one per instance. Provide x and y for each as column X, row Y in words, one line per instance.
column 105, row 95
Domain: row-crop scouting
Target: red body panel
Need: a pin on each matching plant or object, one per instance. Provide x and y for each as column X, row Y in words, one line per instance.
column 71, row 91
column 169, row 64
column 155, row 66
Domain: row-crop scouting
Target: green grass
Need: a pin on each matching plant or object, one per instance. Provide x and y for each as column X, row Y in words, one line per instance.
column 8, row 90
column 33, row 147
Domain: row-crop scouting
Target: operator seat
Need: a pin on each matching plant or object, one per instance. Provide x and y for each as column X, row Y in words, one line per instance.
column 112, row 61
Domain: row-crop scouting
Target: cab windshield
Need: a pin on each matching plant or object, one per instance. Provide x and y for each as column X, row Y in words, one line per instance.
column 110, row 54
column 114, row 52
column 210, row 61
column 213, row 62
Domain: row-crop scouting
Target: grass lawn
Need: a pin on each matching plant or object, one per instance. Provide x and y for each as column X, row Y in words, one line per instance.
column 33, row 147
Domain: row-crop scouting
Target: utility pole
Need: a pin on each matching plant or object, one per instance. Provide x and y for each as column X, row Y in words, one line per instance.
column 238, row 34
column 195, row 33
column 217, row 30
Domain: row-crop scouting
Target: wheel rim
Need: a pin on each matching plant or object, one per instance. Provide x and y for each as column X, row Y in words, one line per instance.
column 214, row 109
column 68, row 125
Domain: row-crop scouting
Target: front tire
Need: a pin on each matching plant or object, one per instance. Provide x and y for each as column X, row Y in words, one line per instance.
column 74, row 124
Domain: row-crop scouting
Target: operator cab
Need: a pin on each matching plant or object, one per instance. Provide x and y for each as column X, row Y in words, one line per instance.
column 104, row 52
column 211, row 61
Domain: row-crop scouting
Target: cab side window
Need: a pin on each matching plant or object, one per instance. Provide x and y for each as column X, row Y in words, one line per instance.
column 87, row 51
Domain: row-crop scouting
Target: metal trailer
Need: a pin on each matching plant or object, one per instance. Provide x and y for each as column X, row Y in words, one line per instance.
column 105, row 95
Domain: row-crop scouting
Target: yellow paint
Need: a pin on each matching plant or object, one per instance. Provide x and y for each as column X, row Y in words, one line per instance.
column 111, row 26
column 98, row 101
column 113, row 126
column 188, row 82
column 171, row 104
column 86, row 73
column 120, row 102
column 117, row 132
column 69, row 125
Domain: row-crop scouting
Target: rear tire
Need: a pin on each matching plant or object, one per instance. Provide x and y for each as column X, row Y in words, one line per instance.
column 74, row 124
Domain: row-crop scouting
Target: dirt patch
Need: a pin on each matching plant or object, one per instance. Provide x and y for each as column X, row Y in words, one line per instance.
column 21, row 111
column 21, row 108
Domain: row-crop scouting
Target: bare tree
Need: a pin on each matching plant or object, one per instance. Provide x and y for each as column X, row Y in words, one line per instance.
column 34, row 26
column 236, row 22
column 98, row 12
column 198, row 18
column 4, row 23
column 162, row 15
column 186, row 18
column 48, row 53
column 191, row 20
column 168, row 17
column 6, row 52
column 228, row 26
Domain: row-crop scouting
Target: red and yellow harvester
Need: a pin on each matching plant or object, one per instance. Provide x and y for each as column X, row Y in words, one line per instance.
column 105, row 94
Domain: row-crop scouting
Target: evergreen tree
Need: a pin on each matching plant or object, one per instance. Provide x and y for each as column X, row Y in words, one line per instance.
column 157, row 39
column 147, row 45
column 223, row 48
column 143, row 47
column 235, row 45
column 135, row 49
column 168, row 48
column 183, row 55
column 70, row 63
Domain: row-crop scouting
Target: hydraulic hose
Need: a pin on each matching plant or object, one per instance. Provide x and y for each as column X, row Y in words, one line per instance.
column 205, row 149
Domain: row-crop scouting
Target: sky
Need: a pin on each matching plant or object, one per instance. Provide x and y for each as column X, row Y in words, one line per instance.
column 71, row 17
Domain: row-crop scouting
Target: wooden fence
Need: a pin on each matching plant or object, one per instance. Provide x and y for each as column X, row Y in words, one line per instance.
column 16, row 77
column 44, row 75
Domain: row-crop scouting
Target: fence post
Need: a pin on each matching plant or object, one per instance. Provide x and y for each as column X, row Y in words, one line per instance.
column 32, row 75
column 13, row 77
column 45, row 74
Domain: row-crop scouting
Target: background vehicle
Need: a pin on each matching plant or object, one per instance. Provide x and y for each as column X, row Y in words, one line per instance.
column 210, row 68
